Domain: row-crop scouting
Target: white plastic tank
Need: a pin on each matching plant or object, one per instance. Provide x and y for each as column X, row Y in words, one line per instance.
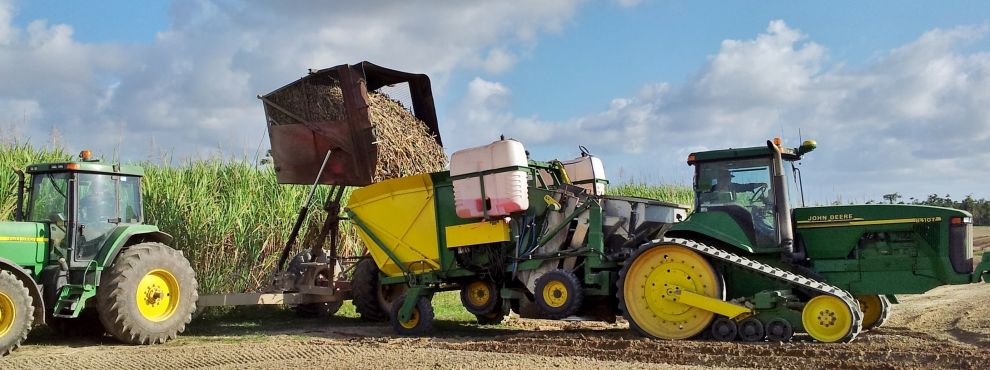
column 505, row 192
column 587, row 172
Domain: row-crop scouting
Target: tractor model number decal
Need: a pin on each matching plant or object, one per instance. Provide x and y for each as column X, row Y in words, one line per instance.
column 826, row 221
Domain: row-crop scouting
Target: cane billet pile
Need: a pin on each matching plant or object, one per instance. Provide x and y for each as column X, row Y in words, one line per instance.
column 405, row 146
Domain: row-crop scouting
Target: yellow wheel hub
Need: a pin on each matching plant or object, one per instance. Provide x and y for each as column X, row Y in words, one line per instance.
column 872, row 309
column 650, row 278
column 479, row 293
column 555, row 293
column 7, row 313
column 827, row 318
column 157, row 295
column 413, row 320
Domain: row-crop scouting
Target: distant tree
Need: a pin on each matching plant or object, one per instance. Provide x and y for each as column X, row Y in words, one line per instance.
column 892, row 197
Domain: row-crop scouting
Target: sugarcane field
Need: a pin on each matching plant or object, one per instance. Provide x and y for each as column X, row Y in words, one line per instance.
column 248, row 185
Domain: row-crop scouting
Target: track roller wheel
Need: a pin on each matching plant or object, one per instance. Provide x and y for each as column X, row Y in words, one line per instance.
column 372, row 300
column 724, row 329
column 421, row 320
column 148, row 295
column 779, row 330
column 558, row 294
column 16, row 312
column 876, row 309
column 828, row 319
column 480, row 297
column 751, row 330
column 643, row 284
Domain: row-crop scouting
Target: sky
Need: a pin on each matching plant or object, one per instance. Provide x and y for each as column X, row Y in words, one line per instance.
column 896, row 93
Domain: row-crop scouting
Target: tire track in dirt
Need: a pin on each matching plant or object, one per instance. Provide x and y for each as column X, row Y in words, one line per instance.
column 282, row 351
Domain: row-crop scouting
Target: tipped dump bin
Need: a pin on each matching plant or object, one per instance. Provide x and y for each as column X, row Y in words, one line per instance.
column 360, row 112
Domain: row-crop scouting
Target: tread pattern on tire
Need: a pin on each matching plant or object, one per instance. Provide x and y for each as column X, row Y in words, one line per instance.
column 21, row 297
column 115, row 296
column 365, row 287
column 426, row 315
column 574, row 290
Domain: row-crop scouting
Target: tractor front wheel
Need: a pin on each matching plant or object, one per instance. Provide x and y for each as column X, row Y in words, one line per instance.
column 16, row 312
column 148, row 295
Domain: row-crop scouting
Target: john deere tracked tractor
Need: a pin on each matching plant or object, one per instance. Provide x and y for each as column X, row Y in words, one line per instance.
column 79, row 257
column 746, row 265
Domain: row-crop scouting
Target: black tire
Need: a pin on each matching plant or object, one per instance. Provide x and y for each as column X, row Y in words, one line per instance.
column 495, row 316
column 309, row 310
column 751, row 330
column 86, row 325
column 15, row 297
column 118, row 306
column 422, row 314
column 724, row 329
column 372, row 300
column 559, row 283
column 779, row 330
column 480, row 297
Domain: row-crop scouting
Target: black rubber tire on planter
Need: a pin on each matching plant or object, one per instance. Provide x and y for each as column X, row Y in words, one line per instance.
column 372, row 300
column 310, row 309
column 19, row 298
column 574, row 294
column 116, row 295
column 423, row 314
column 480, row 297
column 495, row 316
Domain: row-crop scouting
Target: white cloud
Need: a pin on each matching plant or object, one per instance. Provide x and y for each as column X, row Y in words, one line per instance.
column 193, row 87
column 915, row 121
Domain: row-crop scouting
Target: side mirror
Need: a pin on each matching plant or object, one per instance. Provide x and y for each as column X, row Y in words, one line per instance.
column 58, row 219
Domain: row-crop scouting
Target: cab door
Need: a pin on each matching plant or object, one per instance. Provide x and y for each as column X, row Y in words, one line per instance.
column 96, row 210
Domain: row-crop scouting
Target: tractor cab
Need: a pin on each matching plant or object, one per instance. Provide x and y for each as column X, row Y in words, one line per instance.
column 83, row 202
column 741, row 195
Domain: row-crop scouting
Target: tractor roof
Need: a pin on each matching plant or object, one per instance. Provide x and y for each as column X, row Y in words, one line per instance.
column 86, row 166
column 788, row 154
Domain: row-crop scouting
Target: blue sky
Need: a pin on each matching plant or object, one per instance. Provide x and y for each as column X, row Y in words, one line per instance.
column 642, row 83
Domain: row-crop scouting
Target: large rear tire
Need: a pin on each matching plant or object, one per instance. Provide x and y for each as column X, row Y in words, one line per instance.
column 16, row 312
column 148, row 295
column 372, row 300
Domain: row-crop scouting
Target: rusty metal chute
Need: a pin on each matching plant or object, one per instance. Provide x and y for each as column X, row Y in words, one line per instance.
column 307, row 118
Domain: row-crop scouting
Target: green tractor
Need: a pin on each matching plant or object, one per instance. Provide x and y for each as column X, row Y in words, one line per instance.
column 747, row 265
column 80, row 258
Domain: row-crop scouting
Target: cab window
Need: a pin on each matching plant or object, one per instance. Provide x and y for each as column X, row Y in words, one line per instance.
column 742, row 189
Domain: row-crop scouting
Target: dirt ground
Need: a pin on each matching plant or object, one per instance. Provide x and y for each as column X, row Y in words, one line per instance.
column 946, row 328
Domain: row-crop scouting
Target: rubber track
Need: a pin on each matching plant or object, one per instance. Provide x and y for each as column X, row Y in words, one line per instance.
column 775, row 273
